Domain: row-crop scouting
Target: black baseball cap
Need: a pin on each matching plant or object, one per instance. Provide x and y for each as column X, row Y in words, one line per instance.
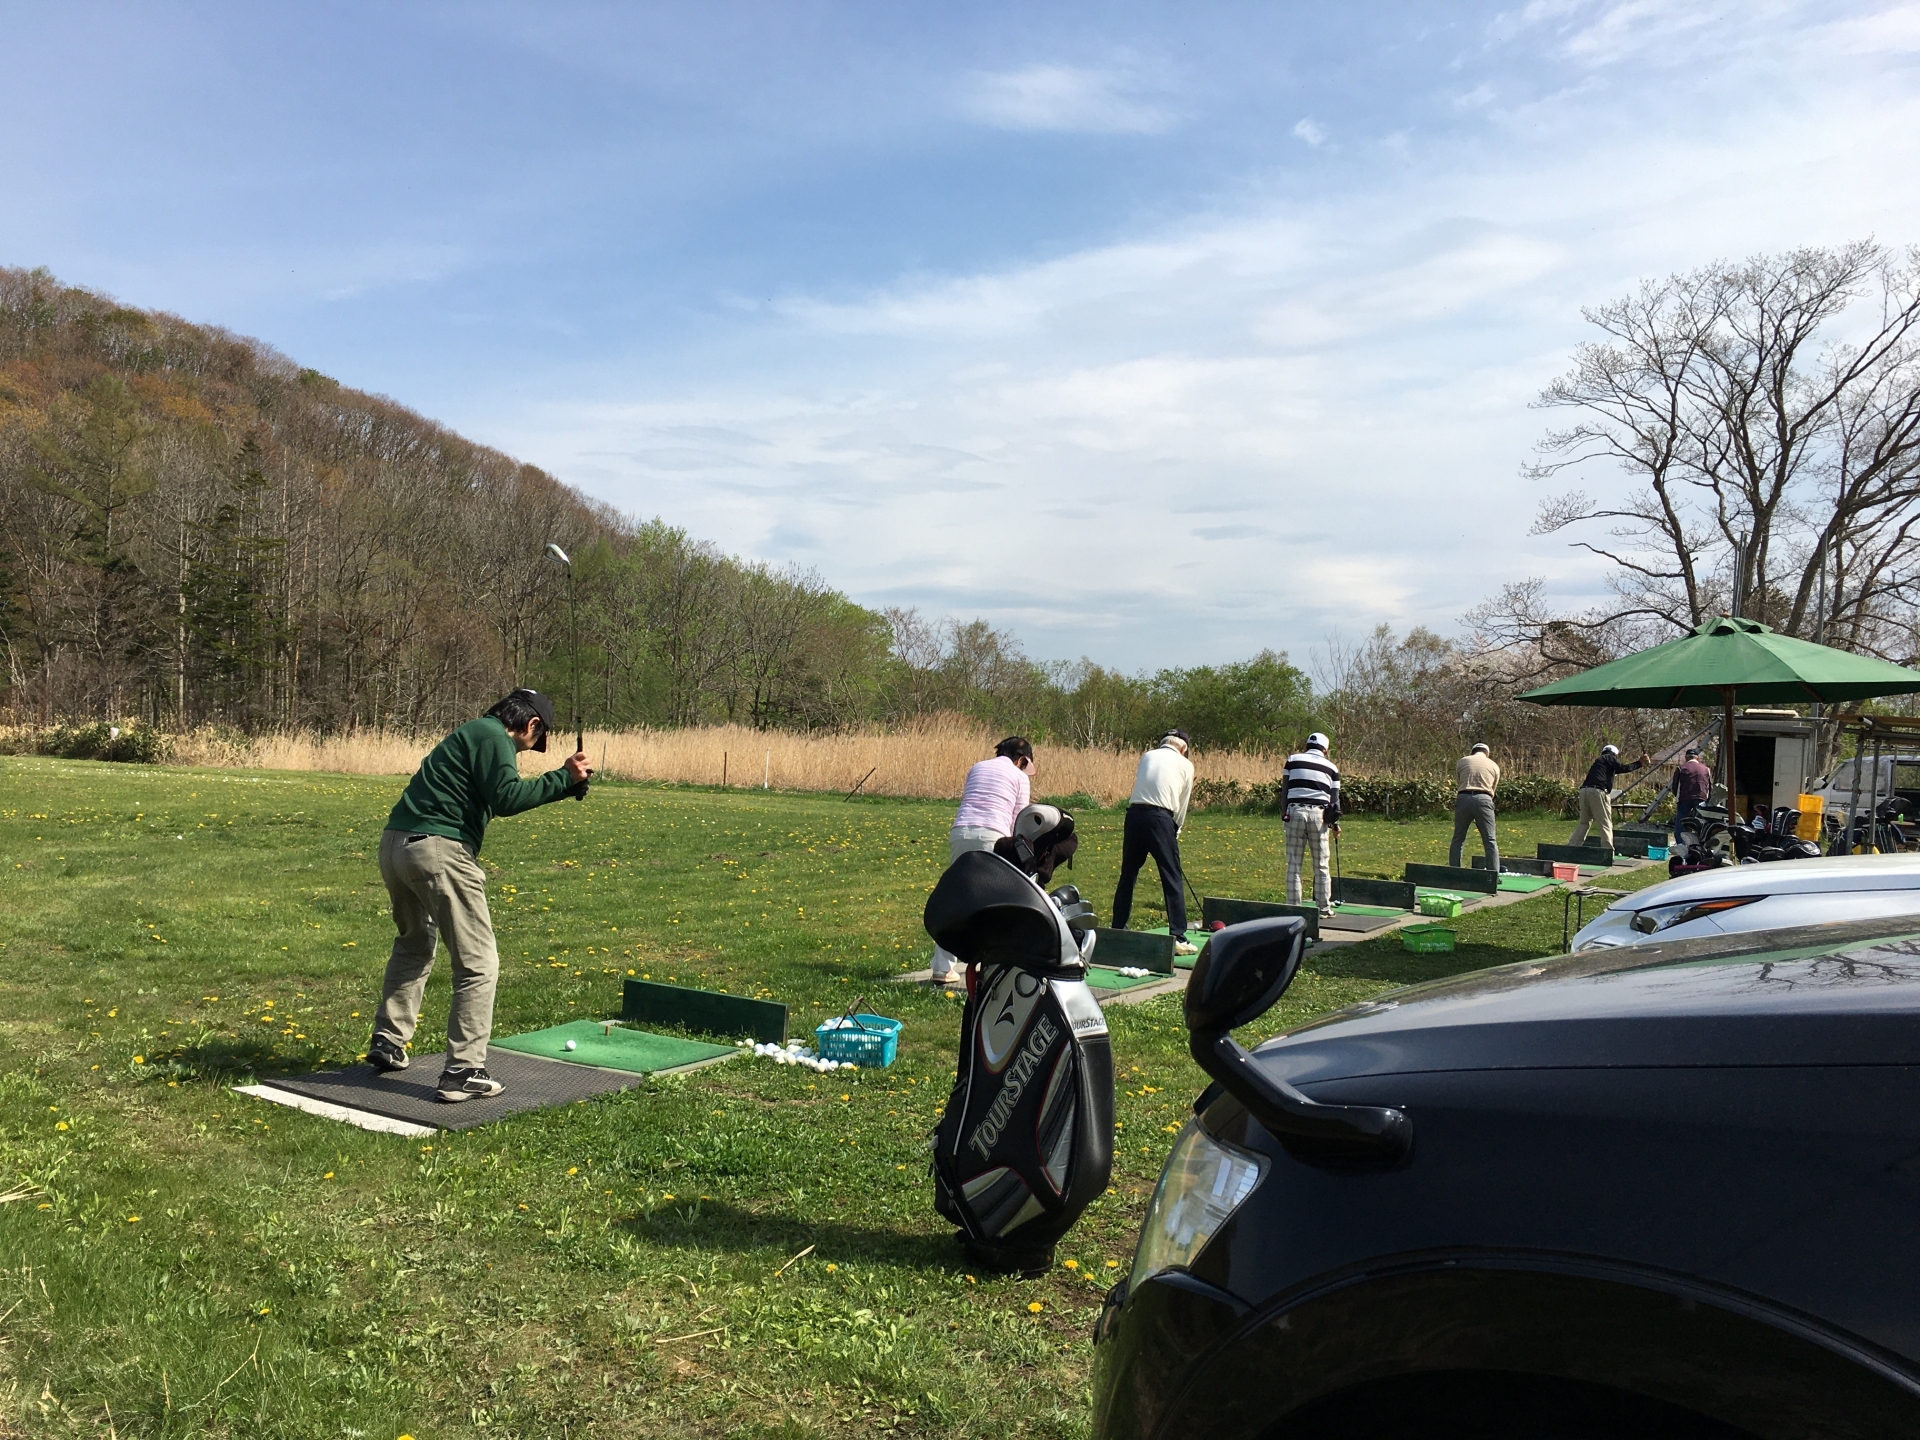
column 542, row 708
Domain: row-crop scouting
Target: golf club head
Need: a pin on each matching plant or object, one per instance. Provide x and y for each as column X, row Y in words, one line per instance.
column 559, row 554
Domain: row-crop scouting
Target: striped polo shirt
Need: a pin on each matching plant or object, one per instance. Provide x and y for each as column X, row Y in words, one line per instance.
column 1312, row 779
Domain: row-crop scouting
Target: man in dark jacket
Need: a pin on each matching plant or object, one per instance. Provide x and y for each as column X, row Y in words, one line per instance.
column 1692, row 783
column 1596, row 794
column 429, row 860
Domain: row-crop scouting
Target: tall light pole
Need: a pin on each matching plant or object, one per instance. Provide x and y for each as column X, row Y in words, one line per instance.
column 573, row 644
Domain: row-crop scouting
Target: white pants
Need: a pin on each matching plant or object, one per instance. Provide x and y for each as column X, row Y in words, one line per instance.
column 1307, row 840
column 960, row 840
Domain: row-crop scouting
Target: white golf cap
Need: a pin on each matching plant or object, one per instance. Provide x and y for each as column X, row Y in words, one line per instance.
column 1481, row 745
column 1317, row 741
column 1609, row 749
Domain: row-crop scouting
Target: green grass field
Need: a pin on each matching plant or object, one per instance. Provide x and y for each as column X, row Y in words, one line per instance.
column 179, row 1260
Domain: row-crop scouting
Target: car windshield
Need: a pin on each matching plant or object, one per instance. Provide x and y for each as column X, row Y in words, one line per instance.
column 1798, row 942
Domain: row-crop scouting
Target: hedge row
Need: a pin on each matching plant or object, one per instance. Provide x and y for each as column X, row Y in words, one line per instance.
column 1389, row 797
column 138, row 744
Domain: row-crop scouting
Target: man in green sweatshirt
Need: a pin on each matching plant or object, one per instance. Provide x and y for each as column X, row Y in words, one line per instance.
column 429, row 860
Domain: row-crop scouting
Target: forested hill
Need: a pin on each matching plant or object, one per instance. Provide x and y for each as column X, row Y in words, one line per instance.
column 194, row 529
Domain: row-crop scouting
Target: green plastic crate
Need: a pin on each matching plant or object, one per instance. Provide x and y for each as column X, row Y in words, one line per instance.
column 1439, row 903
column 1427, row 939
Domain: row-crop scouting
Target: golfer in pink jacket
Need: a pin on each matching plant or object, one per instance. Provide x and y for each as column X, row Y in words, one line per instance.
column 996, row 791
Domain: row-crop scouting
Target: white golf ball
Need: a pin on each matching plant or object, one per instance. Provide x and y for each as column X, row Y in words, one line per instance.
column 571, row 1045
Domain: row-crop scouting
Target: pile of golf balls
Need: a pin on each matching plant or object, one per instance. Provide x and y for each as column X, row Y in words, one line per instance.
column 794, row 1053
column 1132, row 972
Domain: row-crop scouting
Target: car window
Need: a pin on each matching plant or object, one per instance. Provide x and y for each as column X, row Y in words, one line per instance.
column 1906, row 777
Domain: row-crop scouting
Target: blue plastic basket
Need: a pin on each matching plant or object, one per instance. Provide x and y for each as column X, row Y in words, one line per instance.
column 872, row 1045
column 1657, row 852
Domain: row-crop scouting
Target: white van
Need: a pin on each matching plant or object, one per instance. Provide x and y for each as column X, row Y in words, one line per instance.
column 1899, row 775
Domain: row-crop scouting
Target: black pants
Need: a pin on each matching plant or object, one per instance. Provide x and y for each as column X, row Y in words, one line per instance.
column 1151, row 830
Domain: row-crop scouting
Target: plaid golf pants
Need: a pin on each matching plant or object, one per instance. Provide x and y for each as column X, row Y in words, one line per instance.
column 1307, row 831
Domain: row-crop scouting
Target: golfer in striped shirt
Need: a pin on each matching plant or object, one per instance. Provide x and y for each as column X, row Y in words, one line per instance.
column 1312, row 784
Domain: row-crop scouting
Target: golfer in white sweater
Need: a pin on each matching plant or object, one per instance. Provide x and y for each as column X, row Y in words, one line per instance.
column 1156, row 813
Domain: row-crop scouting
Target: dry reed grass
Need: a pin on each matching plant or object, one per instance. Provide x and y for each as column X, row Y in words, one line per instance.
column 929, row 759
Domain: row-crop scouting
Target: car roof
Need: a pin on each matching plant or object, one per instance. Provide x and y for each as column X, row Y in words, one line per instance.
column 1851, row 990
column 1783, row 877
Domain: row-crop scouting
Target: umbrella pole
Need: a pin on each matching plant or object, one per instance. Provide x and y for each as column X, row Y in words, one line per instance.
column 1726, row 745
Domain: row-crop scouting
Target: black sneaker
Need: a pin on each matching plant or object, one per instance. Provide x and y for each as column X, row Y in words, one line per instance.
column 384, row 1055
column 459, row 1082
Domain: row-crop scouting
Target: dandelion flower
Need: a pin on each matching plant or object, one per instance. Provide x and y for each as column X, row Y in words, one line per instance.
column 573, row 1169
column 61, row 1125
column 1072, row 1264
column 1034, row 1307
column 139, row 1059
column 327, row 1176
column 133, row 1219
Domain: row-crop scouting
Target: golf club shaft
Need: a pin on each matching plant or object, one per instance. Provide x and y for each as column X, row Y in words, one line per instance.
column 579, row 725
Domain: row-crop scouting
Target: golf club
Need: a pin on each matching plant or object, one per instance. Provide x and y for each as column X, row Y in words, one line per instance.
column 1196, row 915
column 573, row 641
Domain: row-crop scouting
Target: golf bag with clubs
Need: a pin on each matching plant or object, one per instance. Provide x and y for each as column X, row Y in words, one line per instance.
column 1772, row 837
column 1705, row 841
column 1026, row 1142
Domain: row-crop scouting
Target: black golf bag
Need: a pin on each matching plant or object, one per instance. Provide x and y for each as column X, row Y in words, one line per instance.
column 1026, row 1142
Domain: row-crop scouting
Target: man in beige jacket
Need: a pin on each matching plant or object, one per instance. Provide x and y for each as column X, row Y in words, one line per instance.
column 1476, row 777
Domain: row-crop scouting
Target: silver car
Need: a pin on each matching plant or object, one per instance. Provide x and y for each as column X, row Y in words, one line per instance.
column 1761, row 897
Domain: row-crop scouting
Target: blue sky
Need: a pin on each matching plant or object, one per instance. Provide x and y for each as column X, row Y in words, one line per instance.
column 1158, row 333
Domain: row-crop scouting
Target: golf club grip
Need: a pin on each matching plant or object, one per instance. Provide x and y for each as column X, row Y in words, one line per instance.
column 580, row 748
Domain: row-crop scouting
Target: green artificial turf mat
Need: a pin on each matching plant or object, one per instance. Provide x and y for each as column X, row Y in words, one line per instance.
column 1342, row 908
column 1525, row 884
column 638, row 1050
column 1101, row 978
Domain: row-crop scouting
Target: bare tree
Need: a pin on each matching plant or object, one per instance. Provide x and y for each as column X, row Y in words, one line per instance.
column 1766, row 416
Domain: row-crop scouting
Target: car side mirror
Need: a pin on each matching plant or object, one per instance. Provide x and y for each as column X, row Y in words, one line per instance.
column 1245, row 969
column 1238, row 977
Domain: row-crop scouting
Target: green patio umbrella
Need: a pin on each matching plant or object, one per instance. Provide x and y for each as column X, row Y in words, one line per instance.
column 1729, row 660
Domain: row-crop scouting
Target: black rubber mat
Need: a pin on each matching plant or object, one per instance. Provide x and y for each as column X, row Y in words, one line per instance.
column 532, row 1084
column 1360, row 923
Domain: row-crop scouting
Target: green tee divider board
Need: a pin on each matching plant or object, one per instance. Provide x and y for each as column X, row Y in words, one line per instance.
column 1652, row 834
column 1638, row 845
column 1452, row 877
column 1100, row 977
column 1235, row 912
column 1396, row 894
column 1140, row 949
column 637, row 1050
column 1525, row 884
column 1517, row 865
column 653, row 1003
column 1576, row 854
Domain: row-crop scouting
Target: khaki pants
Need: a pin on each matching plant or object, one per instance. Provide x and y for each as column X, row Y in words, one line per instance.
column 438, row 890
column 1596, row 810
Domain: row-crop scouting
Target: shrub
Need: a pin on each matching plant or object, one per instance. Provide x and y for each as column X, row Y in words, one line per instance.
column 1388, row 796
column 133, row 743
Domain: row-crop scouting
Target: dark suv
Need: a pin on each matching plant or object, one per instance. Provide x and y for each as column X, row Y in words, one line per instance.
column 1660, row 1190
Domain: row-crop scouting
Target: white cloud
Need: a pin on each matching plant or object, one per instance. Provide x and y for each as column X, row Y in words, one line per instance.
column 1066, row 97
column 1311, row 131
column 1261, row 424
